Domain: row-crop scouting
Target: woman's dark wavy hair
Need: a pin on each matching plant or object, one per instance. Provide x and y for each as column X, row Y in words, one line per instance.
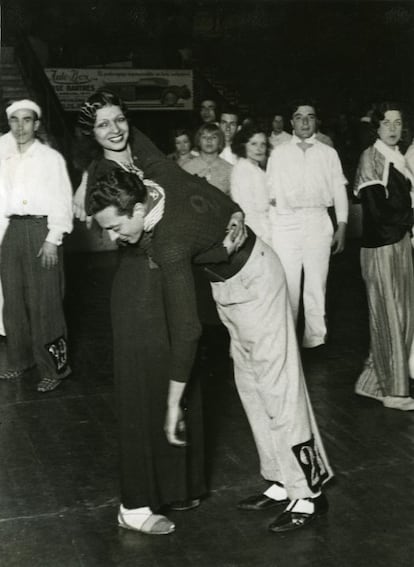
column 118, row 188
column 245, row 134
column 381, row 108
column 99, row 99
column 86, row 148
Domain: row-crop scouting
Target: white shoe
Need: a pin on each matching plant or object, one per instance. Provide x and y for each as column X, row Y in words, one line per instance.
column 144, row 521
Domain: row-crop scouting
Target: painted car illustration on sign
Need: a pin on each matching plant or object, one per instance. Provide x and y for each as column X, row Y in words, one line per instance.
column 150, row 92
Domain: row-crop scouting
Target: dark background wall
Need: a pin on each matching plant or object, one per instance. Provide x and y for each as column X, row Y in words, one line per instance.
column 345, row 53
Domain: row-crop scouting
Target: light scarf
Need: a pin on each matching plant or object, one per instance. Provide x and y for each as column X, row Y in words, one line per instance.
column 156, row 195
column 374, row 166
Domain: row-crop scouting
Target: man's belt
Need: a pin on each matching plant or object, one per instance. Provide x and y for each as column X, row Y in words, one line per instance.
column 27, row 217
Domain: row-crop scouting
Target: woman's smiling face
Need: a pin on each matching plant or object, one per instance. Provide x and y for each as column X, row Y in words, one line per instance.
column 111, row 128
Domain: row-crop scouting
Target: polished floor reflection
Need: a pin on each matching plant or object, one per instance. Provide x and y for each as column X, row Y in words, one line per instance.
column 58, row 454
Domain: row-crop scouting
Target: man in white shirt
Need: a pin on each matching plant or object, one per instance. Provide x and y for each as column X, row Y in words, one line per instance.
column 305, row 179
column 229, row 125
column 35, row 213
column 278, row 134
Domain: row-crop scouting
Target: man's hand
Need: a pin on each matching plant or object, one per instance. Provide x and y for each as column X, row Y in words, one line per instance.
column 236, row 232
column 78, row 202
column 174, row 426
column 338, row 240
column 48, row 255
column 230, row 244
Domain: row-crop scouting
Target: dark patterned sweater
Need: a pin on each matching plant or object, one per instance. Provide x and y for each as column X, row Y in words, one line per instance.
column 191, row 231
column 387, row 214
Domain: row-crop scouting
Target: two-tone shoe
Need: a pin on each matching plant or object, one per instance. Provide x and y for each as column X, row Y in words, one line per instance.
column 299, row 514
column 258, row 502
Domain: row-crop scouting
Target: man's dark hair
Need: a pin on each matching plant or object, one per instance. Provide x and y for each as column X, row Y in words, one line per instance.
column 118, row 188
column 294, row 105
column 230, row 110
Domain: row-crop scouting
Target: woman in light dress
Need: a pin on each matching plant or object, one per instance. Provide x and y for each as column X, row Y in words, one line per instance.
column 248, row 180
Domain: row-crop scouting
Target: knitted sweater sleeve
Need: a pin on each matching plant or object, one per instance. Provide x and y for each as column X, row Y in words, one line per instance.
column 181, row 310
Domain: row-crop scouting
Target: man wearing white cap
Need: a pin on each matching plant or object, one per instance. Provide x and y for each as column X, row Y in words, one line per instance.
column 35, row 213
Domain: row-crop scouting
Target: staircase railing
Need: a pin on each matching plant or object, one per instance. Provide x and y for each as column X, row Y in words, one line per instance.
column 53, row 118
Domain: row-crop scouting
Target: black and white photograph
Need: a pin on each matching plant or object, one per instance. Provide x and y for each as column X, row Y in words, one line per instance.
column 206, row 283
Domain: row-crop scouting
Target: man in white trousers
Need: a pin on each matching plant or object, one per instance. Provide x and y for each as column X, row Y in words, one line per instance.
column 305, row 179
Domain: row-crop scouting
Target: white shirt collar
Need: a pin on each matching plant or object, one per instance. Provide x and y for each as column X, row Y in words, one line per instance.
column 296, row 140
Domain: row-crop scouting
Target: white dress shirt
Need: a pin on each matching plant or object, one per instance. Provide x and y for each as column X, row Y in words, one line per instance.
column 307, row 179
column 8, row 145
column 249, row 190
column 36, row 182
column 228, row 155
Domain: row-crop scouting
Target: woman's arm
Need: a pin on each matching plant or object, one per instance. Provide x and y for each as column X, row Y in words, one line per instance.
column 78, row 201
column 375, row 203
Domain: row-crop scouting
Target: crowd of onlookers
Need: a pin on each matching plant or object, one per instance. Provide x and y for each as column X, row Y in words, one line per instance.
column 294, row 182
column 348, row 132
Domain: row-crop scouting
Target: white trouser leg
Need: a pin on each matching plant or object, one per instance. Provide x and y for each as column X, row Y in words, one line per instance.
column 254, row 307
column 302, row 239
column 259, row 420
column 287, row 238
column 316, row 256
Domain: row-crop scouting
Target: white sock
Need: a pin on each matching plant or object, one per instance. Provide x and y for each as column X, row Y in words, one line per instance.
column 276, row 492
column 303, row 506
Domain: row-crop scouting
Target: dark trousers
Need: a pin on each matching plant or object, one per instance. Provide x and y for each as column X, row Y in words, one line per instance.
column 33, row 311
column 153, row 472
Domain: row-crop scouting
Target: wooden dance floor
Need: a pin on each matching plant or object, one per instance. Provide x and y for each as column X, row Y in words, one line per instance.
column 58, row 454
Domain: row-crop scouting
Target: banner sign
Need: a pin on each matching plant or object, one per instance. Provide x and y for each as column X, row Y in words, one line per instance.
column 140, row 89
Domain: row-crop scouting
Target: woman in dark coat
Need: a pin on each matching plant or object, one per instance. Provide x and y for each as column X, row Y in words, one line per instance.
column 153, row 472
